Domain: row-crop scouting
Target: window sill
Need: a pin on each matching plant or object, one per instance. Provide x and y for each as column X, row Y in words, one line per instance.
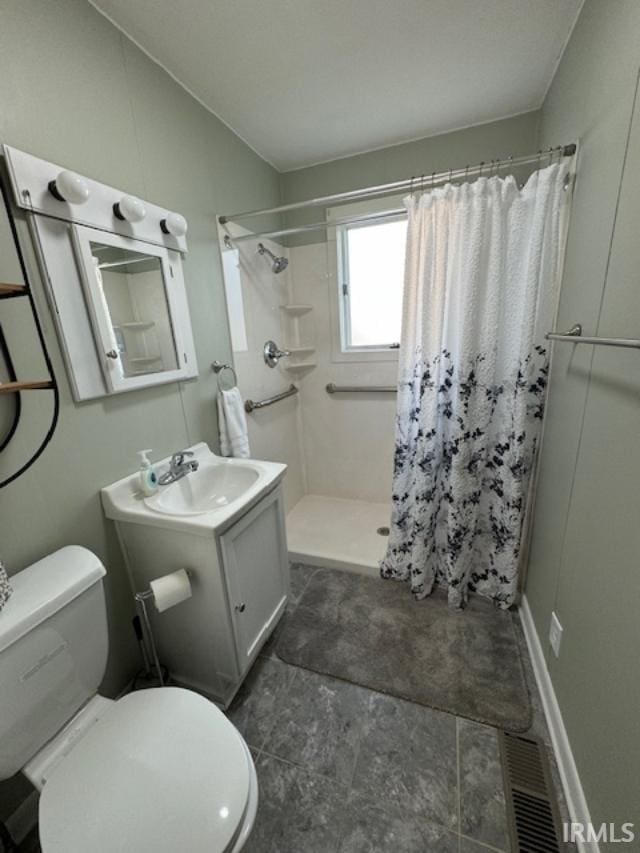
column 379, row 355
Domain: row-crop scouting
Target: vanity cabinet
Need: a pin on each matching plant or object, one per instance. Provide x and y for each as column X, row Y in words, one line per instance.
column 251, row 555
column 239, row 577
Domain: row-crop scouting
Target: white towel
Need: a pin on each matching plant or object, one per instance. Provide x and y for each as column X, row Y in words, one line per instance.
column 232, row 423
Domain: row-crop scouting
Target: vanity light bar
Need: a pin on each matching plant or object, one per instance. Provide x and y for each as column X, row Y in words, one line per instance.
column 73, row 189
column 49, row 189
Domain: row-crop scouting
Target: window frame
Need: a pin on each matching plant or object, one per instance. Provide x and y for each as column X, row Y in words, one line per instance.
column 348, row 351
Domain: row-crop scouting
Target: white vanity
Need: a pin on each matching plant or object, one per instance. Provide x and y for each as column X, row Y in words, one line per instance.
column 224, row 524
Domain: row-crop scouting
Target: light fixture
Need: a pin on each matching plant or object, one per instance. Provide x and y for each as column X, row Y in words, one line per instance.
column 130, row 208
column 174, row 224
column 69, row 187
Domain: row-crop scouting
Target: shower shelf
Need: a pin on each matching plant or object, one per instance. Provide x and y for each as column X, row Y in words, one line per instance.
column 301, row 366
column 296, row 310
column 301, row 350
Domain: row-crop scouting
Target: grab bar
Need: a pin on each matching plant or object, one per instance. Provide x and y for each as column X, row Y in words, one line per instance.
column 332, row 388
column 250, row 405
column 574, row 336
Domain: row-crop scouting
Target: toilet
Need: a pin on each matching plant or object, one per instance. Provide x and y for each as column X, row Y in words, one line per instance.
column 157, row 770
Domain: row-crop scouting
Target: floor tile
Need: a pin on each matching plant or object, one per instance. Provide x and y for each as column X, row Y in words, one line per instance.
column 319, row 721
column 252, row 711
column 407, row 760
column 274, row 780
column 482, row 804
column 298, row 810
column 371, row 828
column 467, row 845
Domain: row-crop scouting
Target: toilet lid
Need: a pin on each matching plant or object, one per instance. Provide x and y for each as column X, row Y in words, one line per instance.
column 163, row 770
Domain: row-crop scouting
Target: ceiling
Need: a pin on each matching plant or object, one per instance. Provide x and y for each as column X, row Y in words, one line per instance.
column 305, row 81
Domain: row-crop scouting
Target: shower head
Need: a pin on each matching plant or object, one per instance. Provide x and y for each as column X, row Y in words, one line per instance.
column 277, row 264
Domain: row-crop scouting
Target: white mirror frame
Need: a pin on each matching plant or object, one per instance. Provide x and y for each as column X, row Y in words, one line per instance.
column 112, row 368
column 52, row 223
column 62, row 273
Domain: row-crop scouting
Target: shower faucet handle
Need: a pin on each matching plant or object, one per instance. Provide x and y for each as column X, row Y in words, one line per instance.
column 272, row 353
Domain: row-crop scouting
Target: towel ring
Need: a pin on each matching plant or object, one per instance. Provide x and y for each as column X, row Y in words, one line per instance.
column 217, row 368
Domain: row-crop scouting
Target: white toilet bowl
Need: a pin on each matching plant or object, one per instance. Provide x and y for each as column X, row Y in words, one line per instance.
column 158, row 770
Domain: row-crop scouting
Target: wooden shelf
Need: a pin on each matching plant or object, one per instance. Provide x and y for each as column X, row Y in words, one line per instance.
column 11, row 289
column 14, row 387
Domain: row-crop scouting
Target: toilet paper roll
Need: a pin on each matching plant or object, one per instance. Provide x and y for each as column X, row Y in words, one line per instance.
column 170, row 590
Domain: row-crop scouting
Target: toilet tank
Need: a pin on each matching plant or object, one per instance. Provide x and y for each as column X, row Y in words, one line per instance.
column 53, row 650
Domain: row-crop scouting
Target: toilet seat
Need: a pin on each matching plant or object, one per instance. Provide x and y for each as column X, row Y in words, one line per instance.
column 162, row 770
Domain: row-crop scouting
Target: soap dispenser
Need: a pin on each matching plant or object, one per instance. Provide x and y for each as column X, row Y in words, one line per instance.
column 147, row 476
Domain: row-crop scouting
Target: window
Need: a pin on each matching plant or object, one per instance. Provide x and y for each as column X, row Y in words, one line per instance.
column 371, row 277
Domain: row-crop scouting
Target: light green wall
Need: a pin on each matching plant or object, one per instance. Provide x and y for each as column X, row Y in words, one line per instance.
column 76, row 92
column 586, row 536
column 494, row 140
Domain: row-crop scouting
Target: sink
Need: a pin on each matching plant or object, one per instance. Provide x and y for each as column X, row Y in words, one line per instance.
column 211, row 487
column 205, row 502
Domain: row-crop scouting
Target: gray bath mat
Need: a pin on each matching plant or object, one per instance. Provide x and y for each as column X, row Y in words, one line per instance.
column 373, row 633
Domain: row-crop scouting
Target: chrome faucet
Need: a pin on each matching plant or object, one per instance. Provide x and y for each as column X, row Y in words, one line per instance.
column 178, row 467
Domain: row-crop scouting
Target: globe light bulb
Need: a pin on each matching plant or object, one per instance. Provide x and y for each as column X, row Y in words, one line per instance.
column 174, row 224
column 69, row 187
column 130, row 209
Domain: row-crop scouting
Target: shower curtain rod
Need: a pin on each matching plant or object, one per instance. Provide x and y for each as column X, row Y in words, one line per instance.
column 318, row 226
column 407, row 184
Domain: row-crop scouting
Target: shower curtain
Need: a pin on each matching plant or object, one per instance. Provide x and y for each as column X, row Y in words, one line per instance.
column 481, row 282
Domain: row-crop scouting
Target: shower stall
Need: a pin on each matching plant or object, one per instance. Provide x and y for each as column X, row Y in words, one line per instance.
column 336, row 433
column 330, row 295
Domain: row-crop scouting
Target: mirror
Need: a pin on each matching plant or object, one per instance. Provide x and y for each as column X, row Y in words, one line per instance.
column 133, row 288
column 136, row 307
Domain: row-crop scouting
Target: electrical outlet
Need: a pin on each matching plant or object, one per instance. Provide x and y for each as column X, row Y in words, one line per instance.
column 555, row 634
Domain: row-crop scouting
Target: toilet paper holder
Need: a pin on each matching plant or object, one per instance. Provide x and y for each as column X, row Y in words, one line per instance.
column 141, row 599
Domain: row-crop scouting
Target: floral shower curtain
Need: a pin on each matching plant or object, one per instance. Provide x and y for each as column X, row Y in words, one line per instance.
column 481, row 282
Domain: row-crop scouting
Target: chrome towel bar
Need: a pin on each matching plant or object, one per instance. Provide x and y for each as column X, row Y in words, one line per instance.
column 332, row 388
column 250, row 405
column 218, row 367
column 574, row 336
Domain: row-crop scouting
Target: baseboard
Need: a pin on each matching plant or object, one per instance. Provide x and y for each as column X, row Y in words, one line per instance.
column 576, row 801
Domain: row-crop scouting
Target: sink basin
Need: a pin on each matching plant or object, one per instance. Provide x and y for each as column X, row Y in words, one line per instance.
column 211, row 487
column 203, row 502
